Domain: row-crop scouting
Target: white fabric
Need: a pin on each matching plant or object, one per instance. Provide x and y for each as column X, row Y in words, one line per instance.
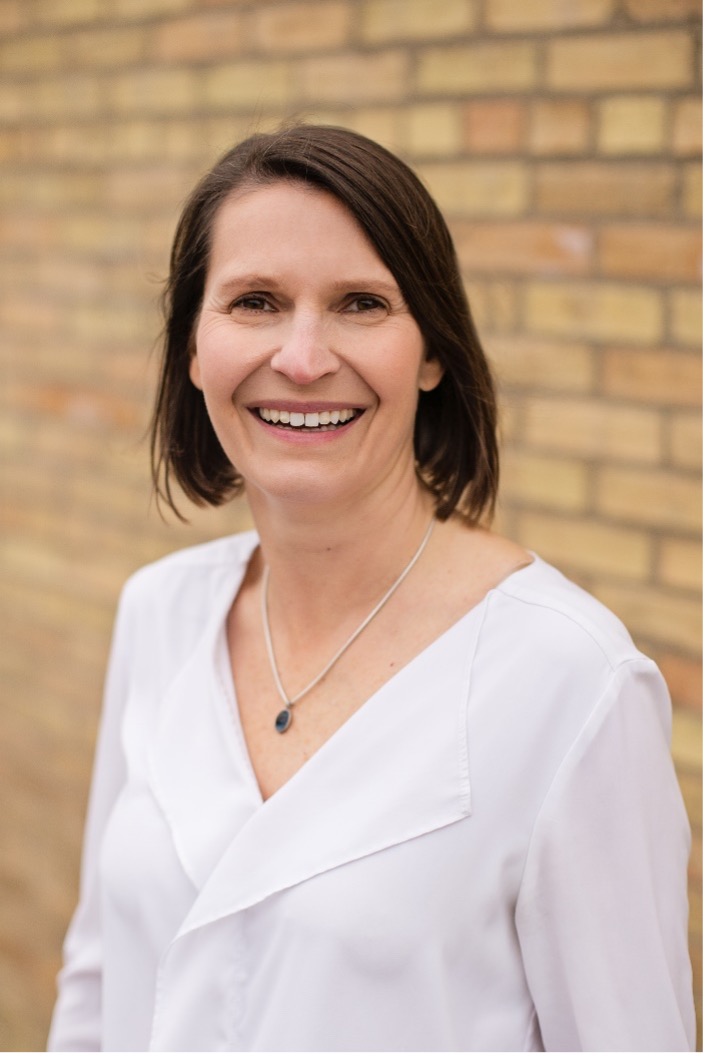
column 490, row 855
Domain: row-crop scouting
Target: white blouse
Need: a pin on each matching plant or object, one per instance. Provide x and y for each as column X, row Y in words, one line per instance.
column 490, row 855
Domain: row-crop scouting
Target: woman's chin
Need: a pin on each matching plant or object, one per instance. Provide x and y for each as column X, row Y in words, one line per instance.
column 300, row 489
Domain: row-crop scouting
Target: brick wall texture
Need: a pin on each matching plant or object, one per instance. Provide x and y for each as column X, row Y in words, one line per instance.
column 562, row 139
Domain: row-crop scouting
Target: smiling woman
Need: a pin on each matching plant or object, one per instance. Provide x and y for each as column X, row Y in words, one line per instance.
column 371, row 777
column 301, row 318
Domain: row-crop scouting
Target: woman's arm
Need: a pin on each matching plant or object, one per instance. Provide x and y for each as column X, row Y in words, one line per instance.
column 76, row 1023
column 603, row 911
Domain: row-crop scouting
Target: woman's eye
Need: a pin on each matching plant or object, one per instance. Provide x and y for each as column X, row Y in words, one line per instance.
column 365, row 303
column 252, row 303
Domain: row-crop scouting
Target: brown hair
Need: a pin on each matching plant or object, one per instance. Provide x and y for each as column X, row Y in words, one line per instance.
column 455, row 432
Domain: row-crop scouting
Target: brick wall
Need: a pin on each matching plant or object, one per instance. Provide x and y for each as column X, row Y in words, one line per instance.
column 562, row 139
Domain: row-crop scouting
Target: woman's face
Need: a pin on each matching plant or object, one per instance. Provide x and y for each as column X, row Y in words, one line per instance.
column 309, row 360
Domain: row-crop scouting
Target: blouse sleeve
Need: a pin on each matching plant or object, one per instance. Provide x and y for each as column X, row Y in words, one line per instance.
column 76, row 1022
column 602, row 915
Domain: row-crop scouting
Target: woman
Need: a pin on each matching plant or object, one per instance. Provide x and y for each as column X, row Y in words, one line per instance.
column 372, row 778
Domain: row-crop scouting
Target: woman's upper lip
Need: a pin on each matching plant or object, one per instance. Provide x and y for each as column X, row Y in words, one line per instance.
column 305, row 405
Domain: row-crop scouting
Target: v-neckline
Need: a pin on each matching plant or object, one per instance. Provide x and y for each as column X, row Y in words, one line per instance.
column 225, row 679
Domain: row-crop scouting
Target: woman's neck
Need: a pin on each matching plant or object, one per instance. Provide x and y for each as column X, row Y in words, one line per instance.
column 328, row 562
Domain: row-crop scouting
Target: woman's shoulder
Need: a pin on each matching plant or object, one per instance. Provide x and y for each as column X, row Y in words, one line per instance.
column 196, row 571
column 544, row 607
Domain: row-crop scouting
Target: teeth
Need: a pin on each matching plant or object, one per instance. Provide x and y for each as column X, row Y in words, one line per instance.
column 308, row 419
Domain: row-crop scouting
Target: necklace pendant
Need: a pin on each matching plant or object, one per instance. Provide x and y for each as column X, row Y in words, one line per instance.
column 283, row 721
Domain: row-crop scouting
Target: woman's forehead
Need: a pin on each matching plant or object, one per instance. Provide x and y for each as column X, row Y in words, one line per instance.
column 286, row 225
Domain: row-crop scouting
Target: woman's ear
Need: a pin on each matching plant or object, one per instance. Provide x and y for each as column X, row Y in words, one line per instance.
column 430, row 374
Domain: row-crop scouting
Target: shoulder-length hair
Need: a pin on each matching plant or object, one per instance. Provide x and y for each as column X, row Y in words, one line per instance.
column 455, row 440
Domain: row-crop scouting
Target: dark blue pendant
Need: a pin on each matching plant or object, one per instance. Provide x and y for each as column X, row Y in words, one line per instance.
column 283, row 720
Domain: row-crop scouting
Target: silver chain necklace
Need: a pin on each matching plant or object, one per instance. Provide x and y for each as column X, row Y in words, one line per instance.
column 283, row 720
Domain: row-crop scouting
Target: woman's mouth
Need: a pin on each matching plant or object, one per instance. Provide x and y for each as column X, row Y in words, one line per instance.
column 307, row 421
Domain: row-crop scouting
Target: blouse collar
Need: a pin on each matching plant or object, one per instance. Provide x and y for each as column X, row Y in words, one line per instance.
column 398, row 768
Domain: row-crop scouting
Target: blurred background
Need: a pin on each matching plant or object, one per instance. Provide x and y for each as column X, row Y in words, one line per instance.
column 562, row 139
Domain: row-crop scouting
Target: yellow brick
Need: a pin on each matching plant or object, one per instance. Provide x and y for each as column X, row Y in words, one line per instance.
column 67, row 97
column 433, row 129
column 207, row 36
column 156, row 234
column 325, row 114
column 11, row 145
column 559, row 126
column 525, row 247
column 651, row 251
column 296, row 27
column 384, row 20
column 658, row 615
column 606, row 188
column 593, row 429
column 536, row 480
column 15, row 104
column 686, row 310
column 663, row 10
column 145, row 187
column 529, row 15
column 154, row 91
column 631, row 124
column 143, row 8
column 355, row 78
column 68, row 12
column 242, row 85
column 478, row 68
column 688, row 127
column 503, row 523
column 78, row 144
column 32, row 55
column 597, row 311
column 478, row 298
column 494, row 305
column 660, row 498
column 478, row 188
column 656, row 376
column 680, row 564
column 692, row 194
column 605, row 61
column 185, row 141
column 687, row 743
column 684, row 676
column 135, row 140
column 14, row 16
column 105, row 47
column 509, row 422
column 540, row 364
column 503, row 304
column 59, row 191
column 586, row 547
column 686, row 441
column 98, row 233
column 383, row 124
column 494, row 126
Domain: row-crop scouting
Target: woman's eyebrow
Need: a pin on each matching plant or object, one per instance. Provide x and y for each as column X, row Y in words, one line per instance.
column 260, row 281
column 250, row 281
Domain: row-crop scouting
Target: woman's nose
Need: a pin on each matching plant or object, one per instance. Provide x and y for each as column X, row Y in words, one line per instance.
column 305, row 354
